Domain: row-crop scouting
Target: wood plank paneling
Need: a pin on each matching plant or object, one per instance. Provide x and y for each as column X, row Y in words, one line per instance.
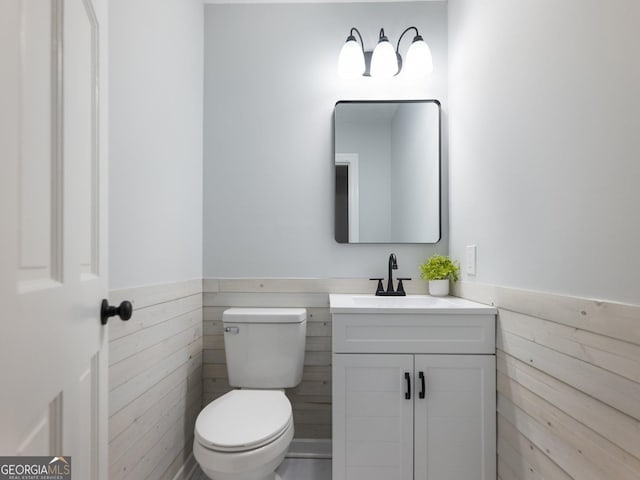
column 568, row 383
column 523, row 457
column 609, row 422
column 613, row 461
column 612, row 389
column 156, row 294
column 155, row 380
column 617, row 356
column 615, row 320
column 311, row 400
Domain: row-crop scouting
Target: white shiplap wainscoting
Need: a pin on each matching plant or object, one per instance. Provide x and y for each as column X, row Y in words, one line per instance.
column 568, row 385
column 155, row 386
column 311, row 400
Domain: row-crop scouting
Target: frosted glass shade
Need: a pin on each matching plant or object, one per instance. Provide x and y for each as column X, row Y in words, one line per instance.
column 351, row 60
column 384, row 62
column 419, row 61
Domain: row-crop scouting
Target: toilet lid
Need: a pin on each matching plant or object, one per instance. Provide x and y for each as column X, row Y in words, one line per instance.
column 243, row 420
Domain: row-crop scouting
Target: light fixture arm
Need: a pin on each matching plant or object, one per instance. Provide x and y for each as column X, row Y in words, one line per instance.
column 354, row 29
column 402, row 35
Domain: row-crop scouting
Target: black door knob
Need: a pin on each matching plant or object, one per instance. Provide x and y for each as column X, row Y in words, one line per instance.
column 124, row 311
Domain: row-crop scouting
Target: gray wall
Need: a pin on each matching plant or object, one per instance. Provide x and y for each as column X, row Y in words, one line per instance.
column 271, row 85
column 155, row 141
column 544, row 144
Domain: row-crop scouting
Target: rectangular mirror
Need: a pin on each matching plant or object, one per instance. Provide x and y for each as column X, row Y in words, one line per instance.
column 387, row 171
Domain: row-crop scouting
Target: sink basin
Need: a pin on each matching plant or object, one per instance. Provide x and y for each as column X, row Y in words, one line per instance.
column 412, row 301
column 359, row 303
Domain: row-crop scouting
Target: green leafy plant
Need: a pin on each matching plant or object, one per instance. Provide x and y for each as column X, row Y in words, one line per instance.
column 439, row 267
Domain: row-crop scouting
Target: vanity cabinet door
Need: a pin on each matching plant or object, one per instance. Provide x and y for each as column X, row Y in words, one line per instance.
column 373, row 417
column 455, row 422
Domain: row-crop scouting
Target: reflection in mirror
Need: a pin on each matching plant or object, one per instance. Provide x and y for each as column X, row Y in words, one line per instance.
column 387, row 171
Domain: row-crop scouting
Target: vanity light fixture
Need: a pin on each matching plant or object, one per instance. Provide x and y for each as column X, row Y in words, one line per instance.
column 384, row 61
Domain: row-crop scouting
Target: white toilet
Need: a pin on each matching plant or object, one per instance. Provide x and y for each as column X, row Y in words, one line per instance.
column 245, row 434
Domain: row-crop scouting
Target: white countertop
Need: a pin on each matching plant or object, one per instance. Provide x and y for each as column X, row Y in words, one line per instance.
column 410, row 304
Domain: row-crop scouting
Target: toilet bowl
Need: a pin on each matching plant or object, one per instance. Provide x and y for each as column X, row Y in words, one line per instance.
column 244, row 435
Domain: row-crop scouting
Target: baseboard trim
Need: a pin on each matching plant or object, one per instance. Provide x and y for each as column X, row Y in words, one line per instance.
column 189, row 466
column 310, row 448
column 299, row 448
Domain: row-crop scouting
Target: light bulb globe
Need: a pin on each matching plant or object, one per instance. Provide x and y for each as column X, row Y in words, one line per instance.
column 419, row 62
column 384, row 62
column 351, row 60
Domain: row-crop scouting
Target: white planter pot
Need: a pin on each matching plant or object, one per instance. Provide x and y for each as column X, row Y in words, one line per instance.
column 439, row 288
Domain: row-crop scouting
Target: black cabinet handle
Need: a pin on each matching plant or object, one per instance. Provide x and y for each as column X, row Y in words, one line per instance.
column 423, row 390
column 407, row 377
column 124, row 311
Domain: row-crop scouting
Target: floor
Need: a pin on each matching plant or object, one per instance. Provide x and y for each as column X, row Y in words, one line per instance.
column 295, row 469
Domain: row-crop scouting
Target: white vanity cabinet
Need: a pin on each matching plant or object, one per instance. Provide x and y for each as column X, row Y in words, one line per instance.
column 414, row 392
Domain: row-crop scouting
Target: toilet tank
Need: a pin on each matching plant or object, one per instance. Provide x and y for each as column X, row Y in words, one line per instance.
column 264, row 347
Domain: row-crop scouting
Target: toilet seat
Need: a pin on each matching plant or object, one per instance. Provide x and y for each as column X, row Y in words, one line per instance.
column 243, row 420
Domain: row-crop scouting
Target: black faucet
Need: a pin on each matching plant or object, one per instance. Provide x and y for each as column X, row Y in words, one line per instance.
column 393, row 265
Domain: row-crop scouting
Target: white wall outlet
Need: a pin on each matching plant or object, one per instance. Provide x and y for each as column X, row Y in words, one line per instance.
column 470, row 262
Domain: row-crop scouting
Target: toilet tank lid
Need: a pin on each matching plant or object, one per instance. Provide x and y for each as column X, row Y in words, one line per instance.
column 264, row 315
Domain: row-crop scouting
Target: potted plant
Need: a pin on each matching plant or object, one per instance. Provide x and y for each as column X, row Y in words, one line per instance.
column 438, row 270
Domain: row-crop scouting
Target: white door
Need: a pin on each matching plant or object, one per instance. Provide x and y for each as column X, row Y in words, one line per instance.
column 53, row 255
column 455, row 432
column 372, row 417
